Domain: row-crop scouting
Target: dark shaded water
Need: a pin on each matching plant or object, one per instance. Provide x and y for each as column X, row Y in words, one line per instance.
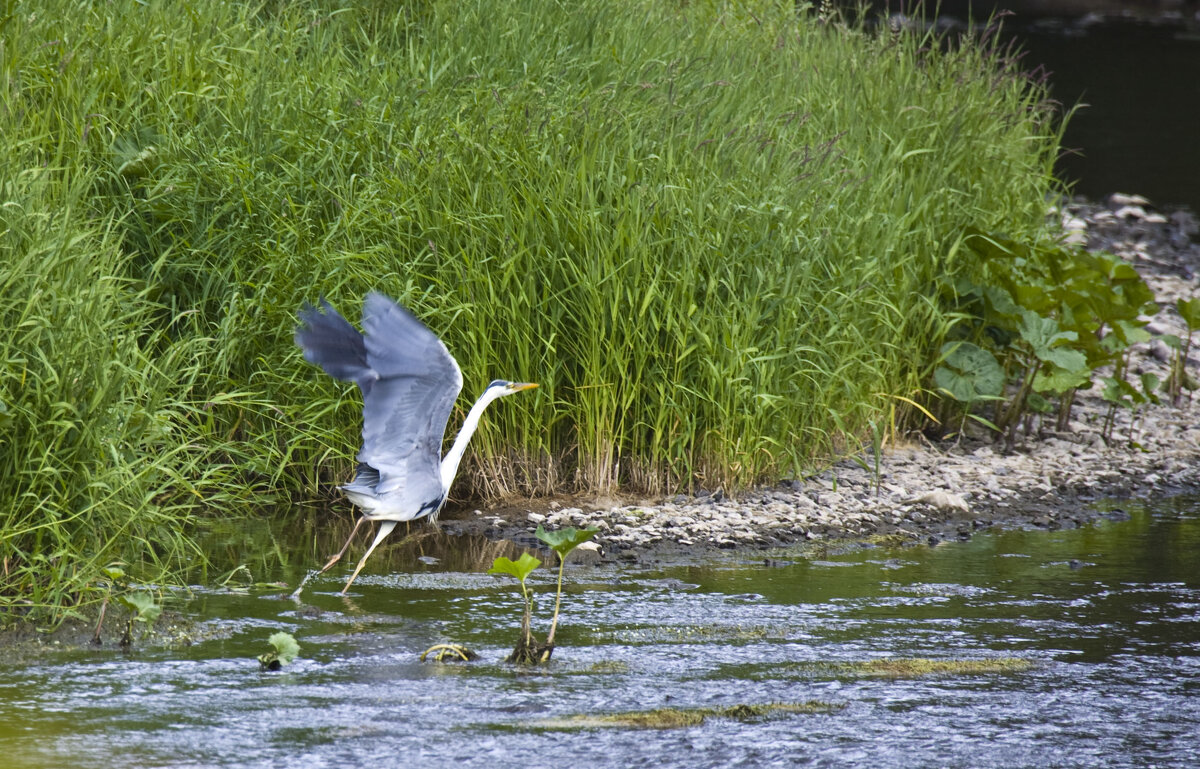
column 1109, row 615
column 1140, row 129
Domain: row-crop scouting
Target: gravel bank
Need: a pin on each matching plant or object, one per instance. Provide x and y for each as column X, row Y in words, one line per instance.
column 930, row 491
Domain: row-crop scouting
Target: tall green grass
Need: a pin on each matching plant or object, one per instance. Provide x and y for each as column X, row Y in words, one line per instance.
column 708, row 230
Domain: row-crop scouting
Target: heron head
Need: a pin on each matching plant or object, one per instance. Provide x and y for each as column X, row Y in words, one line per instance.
column 502, row 387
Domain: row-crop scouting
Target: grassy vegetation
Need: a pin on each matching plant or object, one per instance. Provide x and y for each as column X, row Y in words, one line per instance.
column 709, row 231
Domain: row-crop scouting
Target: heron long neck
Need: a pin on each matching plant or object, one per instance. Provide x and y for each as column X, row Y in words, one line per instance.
column 455, row 454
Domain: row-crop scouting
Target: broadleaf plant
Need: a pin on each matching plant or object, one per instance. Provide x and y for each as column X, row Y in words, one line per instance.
column 1048, row 316
column 562, row 541
column 527, row 650
column 285, row 650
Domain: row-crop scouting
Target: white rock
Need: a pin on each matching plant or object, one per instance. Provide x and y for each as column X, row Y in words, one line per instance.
column 1119, row 199
column 942, row 500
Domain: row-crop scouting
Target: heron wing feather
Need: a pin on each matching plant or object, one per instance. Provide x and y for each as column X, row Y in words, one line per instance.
column 406, row 409
column 329, row 341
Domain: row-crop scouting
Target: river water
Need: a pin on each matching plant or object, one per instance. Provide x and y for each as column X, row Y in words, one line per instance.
column 1138, row 87
column 1095, row 633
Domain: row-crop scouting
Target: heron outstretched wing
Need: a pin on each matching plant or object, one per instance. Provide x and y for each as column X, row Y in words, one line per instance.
column 329, row 341
column 406, row 409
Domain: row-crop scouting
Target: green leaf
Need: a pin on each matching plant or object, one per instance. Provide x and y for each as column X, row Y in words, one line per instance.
column 1189, row 310
column 969, row 372
column 1150, row 385
column 565, row 540
column 286, row 648
column 1068, row 360
column 1037, row 404
column 1059, row 380
column 1001, row 302
column 1042, row 334
column 6, row 419
column 143, row 605
column 1121, row 393
column 520, row 568
column 1132, row 331
column 1034, row 298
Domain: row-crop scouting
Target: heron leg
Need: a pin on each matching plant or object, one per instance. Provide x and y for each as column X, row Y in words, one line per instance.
column 385, row 528
column 345, row 547
column 332, row 561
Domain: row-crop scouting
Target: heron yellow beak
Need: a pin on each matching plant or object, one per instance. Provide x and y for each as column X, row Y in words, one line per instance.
column 515, row 386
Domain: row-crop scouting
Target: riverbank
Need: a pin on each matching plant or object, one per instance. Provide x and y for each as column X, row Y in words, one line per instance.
column 930, row 491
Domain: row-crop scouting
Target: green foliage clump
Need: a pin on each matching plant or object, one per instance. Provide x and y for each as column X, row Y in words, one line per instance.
column 708, row 232
column 1180, row 378
column 1047, row 318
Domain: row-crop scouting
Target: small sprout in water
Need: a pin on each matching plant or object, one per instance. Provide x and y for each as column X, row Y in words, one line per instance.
column 527, row 649
column 142, row 607
column 562, row 542
column 286, row 650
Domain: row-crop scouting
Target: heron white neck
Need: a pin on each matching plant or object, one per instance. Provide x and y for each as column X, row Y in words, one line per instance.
column 469, row 425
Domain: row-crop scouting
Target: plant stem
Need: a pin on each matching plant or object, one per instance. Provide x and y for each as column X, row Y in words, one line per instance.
column 527, row 620
column 557, row 600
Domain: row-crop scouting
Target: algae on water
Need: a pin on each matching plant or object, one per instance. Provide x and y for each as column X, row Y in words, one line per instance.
column 677, row 718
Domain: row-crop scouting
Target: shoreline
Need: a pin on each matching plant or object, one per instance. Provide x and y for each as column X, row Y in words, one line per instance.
column 930, row 492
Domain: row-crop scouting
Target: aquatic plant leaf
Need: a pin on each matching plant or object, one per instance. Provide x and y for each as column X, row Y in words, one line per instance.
column 143, row 606
column 913, row 667
column 563, row 541
column 286, row 648
column 969, row 372
column 520, row 568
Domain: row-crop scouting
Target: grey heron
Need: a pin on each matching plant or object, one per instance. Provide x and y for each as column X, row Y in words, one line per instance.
column 409, row 383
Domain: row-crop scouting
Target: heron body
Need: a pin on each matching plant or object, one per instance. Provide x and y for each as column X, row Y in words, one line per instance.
column 409, row 383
